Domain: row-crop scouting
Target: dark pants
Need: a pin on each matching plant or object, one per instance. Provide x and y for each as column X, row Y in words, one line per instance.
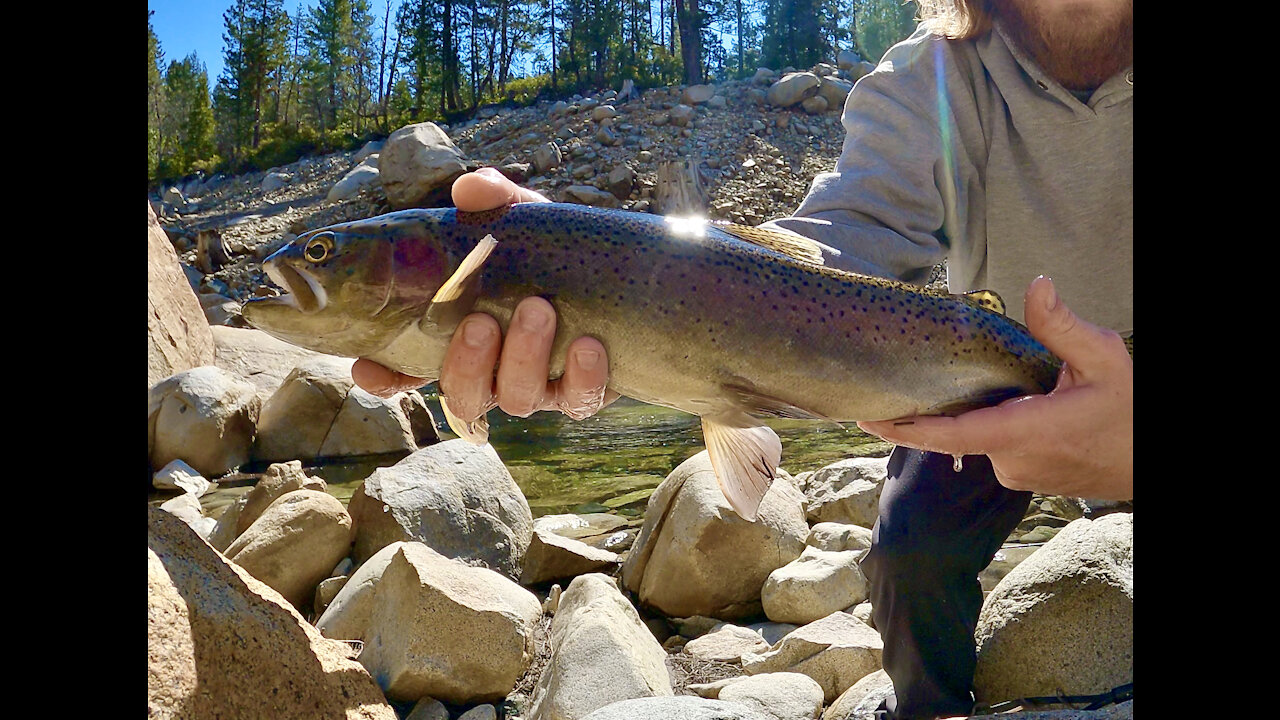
column 937, row 530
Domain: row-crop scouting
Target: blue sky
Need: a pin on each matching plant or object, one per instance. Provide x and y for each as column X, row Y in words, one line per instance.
column 183, row 27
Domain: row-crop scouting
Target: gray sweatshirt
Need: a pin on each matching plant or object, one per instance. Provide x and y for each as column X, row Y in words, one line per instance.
column 968, row 150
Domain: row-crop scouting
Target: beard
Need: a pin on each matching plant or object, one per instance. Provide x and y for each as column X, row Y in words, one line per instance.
column 1079, row 44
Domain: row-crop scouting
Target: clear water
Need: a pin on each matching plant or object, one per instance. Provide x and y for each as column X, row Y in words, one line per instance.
column 610, row 462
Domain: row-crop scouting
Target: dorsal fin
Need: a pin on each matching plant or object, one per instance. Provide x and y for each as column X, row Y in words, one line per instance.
column 987, row 299
column 792, row 245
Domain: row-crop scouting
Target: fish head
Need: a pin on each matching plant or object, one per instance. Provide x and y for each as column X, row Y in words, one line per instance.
column 351, row 289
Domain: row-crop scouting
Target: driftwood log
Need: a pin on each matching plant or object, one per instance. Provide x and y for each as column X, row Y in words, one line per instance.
column 679, row 189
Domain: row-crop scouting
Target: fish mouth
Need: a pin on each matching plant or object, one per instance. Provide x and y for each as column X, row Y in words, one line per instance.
column 302, row 291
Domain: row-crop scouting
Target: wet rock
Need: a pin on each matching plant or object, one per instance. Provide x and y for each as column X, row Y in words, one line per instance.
column 696, row 556
column 204, row 416
column 793, row 88
column 782, row 695
column 217, row 639
column 813, row 586
column 457, row 498
column 417, row 162
column 837, row 651
column 1062, row 620
column 600, row 653
column 294, row 544
column 178, row 336
column 434, row 627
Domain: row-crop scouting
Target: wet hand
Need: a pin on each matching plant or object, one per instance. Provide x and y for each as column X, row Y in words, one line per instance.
column 472, row 380
column 1077, row 440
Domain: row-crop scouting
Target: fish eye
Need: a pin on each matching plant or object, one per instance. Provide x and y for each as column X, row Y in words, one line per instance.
column 318, row 248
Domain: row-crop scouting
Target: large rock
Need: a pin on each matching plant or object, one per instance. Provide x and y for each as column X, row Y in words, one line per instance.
column 696, row 556
column 839, row 536
column 434, row 627
column 683, row 707
column 277, row 480
column 360, row 177
column 295, row 543
column 835, row 90
column 552, row 557
column 255, row 356
column 726, row 643
column 697, row 94
column 1062, row 620
column 590, row 195
column 793, row 88
column 275, row 180
column 862, row 698
column 456, row 497
column 178, row 336
column 782, row 696
column 846, row 491
column 837, row 651
column 417, row 162
column 205, row 417
column 813, row 586
column 318, row 411
column 222, row 644
column 601, row 652
column 546, row 157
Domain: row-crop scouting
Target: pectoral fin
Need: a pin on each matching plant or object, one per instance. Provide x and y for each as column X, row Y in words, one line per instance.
column 458, row 294
column 754, row 403
column 475, row 432
column 744, row 455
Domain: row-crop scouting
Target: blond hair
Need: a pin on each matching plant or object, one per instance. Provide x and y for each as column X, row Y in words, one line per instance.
column 956, row 19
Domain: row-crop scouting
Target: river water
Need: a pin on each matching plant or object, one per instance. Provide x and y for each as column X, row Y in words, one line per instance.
column 610, row 462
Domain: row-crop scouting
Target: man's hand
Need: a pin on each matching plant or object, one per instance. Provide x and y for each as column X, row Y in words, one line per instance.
column 520, row 386
column 1076, row 441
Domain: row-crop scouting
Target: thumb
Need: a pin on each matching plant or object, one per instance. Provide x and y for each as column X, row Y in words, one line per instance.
column 1082, row 345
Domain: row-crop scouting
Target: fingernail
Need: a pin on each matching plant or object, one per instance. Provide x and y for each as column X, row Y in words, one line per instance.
column 533, row 319
column 476, row 334
column 586, row 359
column 1051, row 302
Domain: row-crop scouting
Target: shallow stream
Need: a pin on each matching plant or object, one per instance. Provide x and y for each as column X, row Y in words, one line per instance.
column 610, row 462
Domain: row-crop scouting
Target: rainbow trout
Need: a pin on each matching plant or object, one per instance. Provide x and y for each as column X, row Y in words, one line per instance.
column 730, row 323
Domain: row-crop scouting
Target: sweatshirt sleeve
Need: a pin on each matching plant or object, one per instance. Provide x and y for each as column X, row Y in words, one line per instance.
column 889, row 206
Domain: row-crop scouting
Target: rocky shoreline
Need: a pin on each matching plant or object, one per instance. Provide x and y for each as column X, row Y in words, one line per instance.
column 435, row 593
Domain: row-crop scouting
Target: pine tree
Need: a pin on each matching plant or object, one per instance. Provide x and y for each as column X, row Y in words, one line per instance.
column 155, row 98
column 188, row 126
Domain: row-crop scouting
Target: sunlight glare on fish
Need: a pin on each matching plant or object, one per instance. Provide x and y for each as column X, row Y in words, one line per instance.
column 689, row 226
